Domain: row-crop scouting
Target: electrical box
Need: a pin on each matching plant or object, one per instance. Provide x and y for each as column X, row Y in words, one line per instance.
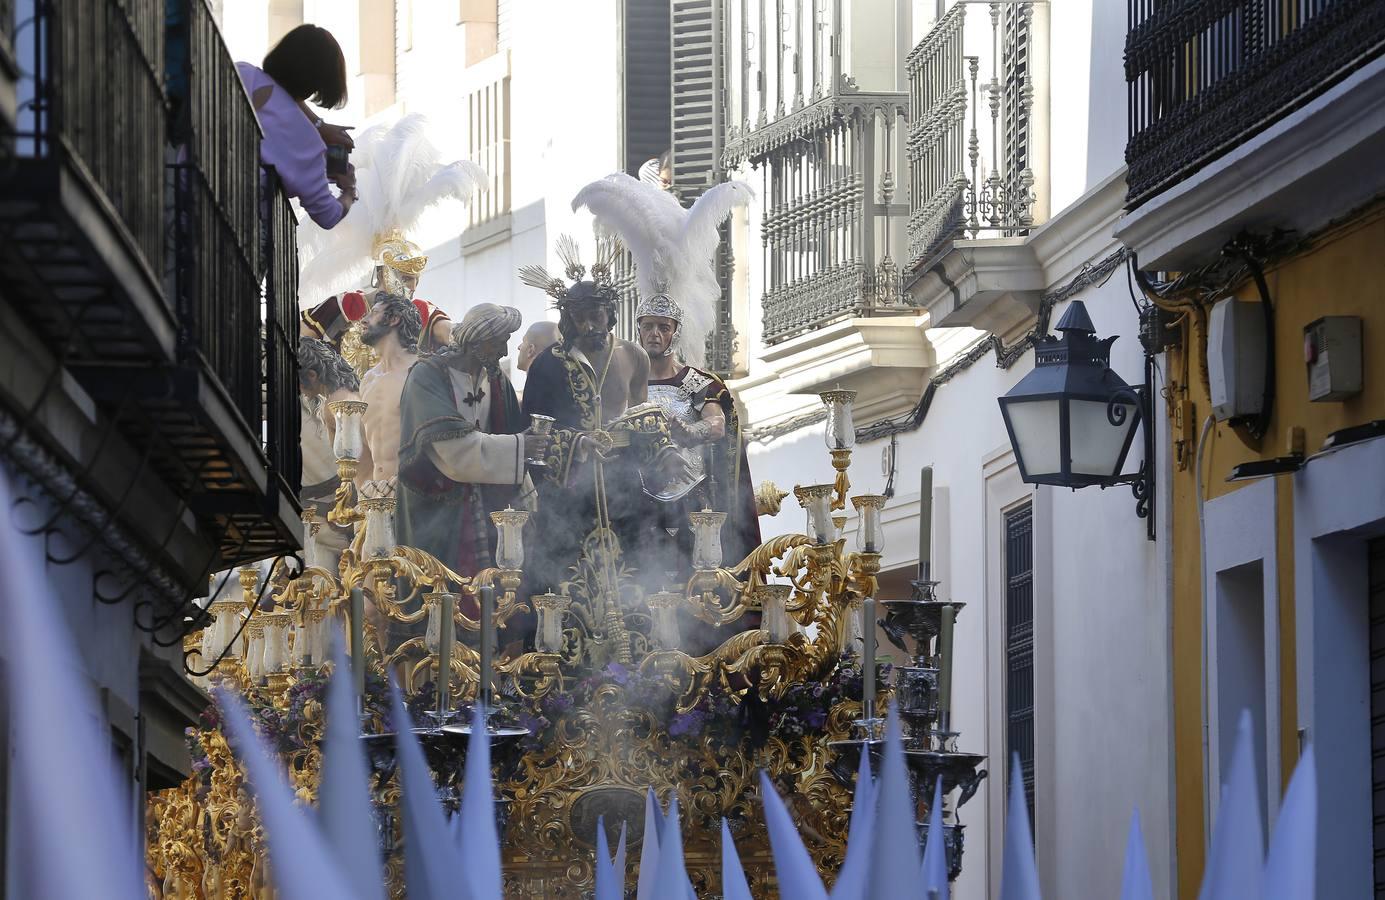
column 1332, row 351
column 1236, row 359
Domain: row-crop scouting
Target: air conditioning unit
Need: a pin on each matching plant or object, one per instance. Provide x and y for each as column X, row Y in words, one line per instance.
column 1236, row 359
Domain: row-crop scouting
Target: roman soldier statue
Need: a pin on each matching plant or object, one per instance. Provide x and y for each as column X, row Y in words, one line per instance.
column 673, row 252
column 399, row 175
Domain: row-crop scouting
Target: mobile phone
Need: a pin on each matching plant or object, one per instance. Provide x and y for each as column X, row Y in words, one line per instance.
column 337, row 159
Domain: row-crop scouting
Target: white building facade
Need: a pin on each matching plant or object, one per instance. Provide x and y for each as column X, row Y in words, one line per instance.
column 936, row 182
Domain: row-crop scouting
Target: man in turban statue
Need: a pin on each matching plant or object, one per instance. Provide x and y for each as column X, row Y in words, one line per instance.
column 463, row 449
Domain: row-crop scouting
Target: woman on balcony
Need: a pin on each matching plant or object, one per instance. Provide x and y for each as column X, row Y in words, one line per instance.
column 306, row 64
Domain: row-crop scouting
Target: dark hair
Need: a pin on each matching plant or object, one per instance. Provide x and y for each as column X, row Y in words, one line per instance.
column 308, row 63
column 332, row 370
column 410, row 322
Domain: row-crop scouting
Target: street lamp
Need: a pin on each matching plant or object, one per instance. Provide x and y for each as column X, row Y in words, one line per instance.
column 1072, row 419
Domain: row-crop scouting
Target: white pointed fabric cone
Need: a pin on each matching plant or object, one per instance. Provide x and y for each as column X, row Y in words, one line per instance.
column 1019, row 877
column 76, row 838
column 300, row 863
column 671, row 878
column 618, row 864
column 649, row 852
column 1236, row 858
column 733, row 883
column 1291, row 869
column 606, row 887
column 344, row 811
column 430, row 856
column 1136, row 883
column 793, row 867
column 894, row 852
column 480, row 840
column 851, row 879
column 935, row 849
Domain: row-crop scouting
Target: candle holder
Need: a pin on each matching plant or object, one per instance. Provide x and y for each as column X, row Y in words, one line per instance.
column 773, row 600
column 548, row 631
column 816, row 499
column 379, row 540
column 311, row 526
column 509, row 546
column 707, row 538
column 870, row 534
column 254, row 650
column 840, row 436
column 663, row 608
column 839, row 527
column 347, row 446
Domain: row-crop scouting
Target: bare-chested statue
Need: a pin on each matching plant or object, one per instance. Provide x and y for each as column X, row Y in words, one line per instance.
column 391, row 328
column 603, row 453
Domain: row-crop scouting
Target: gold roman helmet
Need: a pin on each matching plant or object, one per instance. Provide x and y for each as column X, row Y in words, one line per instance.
column 396, row 256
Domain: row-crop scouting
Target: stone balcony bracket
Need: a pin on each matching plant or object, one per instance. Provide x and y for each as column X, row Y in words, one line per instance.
column 992, row 284
column 885, row 359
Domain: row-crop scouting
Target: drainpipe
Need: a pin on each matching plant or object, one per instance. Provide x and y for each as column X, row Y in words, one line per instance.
column 1206, row 619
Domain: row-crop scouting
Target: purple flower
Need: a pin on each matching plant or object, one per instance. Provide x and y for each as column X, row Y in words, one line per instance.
column 816, row 718
column 619, row 674
column 689, row 723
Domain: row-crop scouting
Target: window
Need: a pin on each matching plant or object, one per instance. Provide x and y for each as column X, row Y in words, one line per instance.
column 1019, row 643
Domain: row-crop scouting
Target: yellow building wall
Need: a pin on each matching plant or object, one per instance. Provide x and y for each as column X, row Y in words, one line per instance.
column 1341, row 273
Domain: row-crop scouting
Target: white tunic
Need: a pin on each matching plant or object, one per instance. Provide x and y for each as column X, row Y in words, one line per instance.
column 477, row 457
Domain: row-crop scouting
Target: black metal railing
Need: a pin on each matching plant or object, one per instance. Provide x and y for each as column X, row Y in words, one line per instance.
column 217, row 231
column 95, row 98
column 1205, row 75
column 281, row 413
column 236, row 281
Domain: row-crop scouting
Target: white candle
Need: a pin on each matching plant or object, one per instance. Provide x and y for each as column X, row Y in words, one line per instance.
column 447, row 633
column 949, row 615
column 358, row 644
column 868, row 657
column 487, row 638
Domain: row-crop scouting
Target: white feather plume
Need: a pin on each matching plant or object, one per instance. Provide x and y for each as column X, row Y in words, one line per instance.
column 673, row 247
column 399, row 176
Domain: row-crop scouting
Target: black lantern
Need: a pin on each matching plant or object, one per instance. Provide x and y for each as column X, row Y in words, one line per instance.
column 1072, row 419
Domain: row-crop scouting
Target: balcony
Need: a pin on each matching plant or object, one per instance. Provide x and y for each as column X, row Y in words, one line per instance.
column 1205, row 76
column 978, row 165
column 972, row 163
column 831, row 230
column 157, row 266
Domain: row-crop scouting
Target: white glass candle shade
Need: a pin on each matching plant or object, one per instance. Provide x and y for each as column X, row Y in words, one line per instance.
column 841, row 431
column 774, row 615
column 348, row 442
column 379, row 528
column 548, row 636
column 663, row 608
column 276, row 642
column 432, row 636
column 870, row 533
column 254, row 650
column 817, row 500
column 509, row 545
column 707, row 538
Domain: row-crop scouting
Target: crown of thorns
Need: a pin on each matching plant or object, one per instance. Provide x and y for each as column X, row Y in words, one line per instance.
column 601, row 286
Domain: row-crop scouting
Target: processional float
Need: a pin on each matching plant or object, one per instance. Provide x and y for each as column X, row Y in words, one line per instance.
column 605, row 704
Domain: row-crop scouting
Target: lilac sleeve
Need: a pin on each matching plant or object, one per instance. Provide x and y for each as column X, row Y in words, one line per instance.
column 294, row 148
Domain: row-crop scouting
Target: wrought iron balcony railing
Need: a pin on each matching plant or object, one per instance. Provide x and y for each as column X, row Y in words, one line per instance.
column 1205, row 75
column 156, row 260
column 828, row 229
column 961, row 185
